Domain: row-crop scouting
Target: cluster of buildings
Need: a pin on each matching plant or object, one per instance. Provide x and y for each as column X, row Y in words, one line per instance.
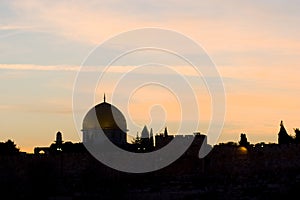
column 105, row 121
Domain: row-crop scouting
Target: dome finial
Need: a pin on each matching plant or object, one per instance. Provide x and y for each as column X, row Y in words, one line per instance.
column 104, row 98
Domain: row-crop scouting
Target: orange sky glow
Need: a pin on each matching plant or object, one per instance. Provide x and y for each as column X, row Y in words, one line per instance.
column 255, row 47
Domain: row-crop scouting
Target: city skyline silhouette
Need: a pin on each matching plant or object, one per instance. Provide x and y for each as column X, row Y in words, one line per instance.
column 232, row 170
column 180, row 100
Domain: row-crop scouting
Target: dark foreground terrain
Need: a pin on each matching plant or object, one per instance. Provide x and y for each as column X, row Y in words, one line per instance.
column 228, row 172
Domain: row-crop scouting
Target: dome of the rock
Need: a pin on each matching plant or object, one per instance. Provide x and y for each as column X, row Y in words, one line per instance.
column 104, row 116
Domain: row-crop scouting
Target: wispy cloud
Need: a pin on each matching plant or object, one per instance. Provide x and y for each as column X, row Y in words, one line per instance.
column 232, row 25
column 25, row 67
column 182, row 70
column 8, row 30
column 252, row 73
column 13, row 27
column 51, row 108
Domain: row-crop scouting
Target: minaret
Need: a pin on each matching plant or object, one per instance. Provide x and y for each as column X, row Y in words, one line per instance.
column 145, row 139
column 151, row 132
column 58, row 138
column 151, row 142
column 58, row 142
column 166, row 132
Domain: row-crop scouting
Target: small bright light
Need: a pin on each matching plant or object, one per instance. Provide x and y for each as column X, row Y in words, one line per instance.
column 242, row 150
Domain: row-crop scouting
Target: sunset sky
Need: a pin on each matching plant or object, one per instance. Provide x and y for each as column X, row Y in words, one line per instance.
column 255, row 46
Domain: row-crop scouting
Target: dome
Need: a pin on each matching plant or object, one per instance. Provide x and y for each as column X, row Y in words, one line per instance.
column 104, row 116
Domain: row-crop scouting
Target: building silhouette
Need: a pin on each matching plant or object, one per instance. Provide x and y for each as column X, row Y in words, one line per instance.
column 163, row 139
column 105, row 119
column 54, row 147
column 59, row 146
column 285, row 138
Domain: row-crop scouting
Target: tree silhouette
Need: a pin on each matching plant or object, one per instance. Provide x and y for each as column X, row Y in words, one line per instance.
column 297, row 136
column 243, row 141
column 137, row 139
column 9, row 148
